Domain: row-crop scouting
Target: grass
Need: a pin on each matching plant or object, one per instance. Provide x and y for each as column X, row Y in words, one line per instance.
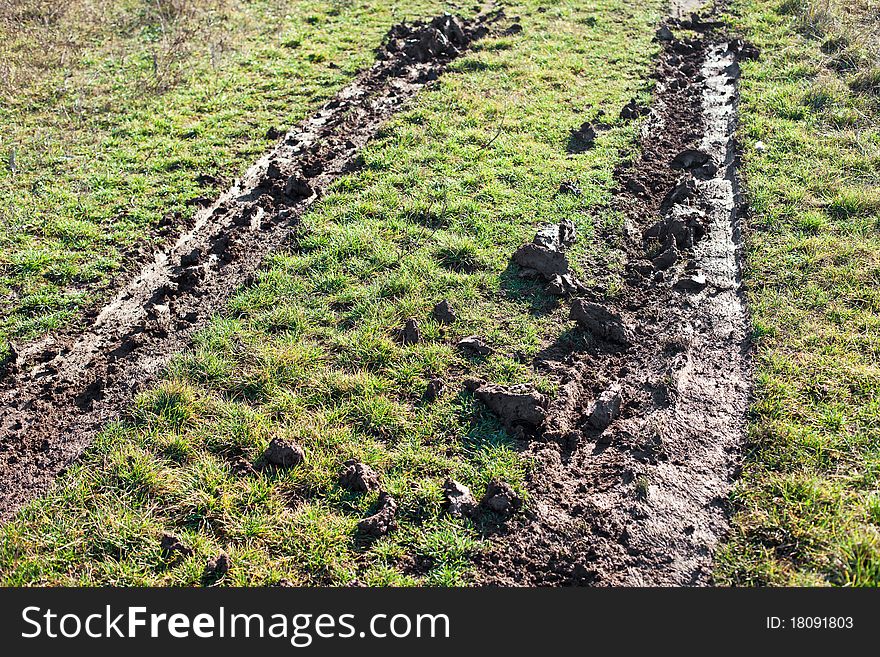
column 112, row 111
column 807, row 505
column 441, row 200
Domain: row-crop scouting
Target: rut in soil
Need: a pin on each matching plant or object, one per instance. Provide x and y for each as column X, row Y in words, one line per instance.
column 59, row 391
column 637, row 494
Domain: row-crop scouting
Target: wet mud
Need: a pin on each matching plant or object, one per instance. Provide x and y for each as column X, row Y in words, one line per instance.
column 636, row 458
column 58, row 392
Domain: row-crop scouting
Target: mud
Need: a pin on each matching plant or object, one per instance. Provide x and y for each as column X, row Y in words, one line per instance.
column 358, row 477
column 383, row 520
column 473, row 345
column 501, row 498
column 545, row 257
column 283, row 454
column 61, row 390
column 459, row 501
column 215, row 569
column 641, row 446
column 444, row 313
column 515, row 406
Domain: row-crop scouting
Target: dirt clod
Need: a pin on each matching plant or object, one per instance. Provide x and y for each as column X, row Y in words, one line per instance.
column 683, row 226
column 582, row 138
column 632, row 110
column 501, row 498
column 297, row 187
column 241, row 466
column 666, row 259
column 474, row 345
column 692, row 283
column 690, row 159
column 515, row 405
column 557, row 237
column 444, row 313
column 358, row 477
column 546, row 258
column 443, row 37
column 216, row 568
column 459, row 501
column 434, row 390
column 547, row 262
column 570, row 187
column 171, row 546
column 283, row 453
column 605, row 409
column 383, row 520
column 664, row 33
column 601, row 322
column 410, row 333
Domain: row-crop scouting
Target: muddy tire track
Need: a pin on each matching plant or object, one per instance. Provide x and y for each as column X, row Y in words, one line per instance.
column 59, row 391
column 639, row 495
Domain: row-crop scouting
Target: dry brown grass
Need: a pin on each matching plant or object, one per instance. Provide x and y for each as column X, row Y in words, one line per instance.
column 40, row 37
column 850, row 34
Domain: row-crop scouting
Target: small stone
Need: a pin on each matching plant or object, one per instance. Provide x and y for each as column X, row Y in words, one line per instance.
column 601, row 322
column 605, row 409
column 284, row 454
column 434, row 390
column 383, row 521
column 501, row 498
column 358, row 477
column 459, row 501
column 171, row 546
column 474, row 345
column 760, row 146
column 443, row 312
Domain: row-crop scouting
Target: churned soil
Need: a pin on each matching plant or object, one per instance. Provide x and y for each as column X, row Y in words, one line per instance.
column 635, row 460
column 57, row 393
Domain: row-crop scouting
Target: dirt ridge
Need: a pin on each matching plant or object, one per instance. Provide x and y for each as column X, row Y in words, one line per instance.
column 60, row 390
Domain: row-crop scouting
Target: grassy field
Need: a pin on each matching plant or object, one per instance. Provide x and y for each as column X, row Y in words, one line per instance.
column 808, row 505
column 443, row 197
column 112, row 110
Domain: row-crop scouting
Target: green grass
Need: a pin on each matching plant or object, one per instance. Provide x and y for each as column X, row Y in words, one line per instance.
column 111, row 111
column 808, row 504
column 307, row 352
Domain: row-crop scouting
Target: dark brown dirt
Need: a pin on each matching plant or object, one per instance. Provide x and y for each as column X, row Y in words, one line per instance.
column 61, row 390
column 634, row 465
column 384, row 520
